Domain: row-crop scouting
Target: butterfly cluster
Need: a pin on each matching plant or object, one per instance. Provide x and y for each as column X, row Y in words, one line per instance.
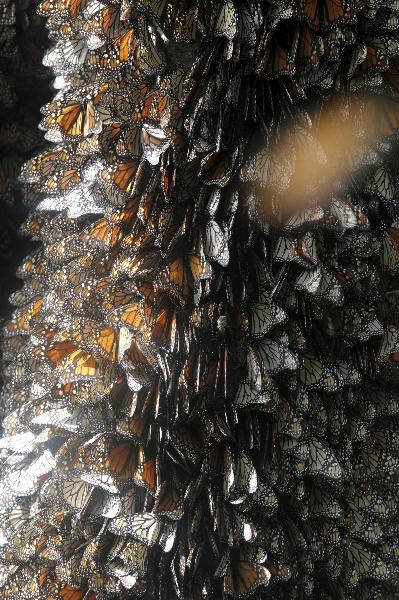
column 201, row 388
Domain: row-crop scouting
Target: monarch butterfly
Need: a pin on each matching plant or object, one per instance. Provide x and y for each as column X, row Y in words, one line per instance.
column 76, row 420
column 154, row 143
column 310, row 46
column 151, row 109
column 151, row 404
column 218, row 460
column 217, row 167
column 134, row 555
column 301, row 250
column 345, row 216
column 386, row 113
column 71, row 593
column 130, row 142
column 52, row 171
column 243, row 577
column 102, row 231
column 59, row 221
column 20, row 321
column 276, row 356
column 23, row 478
column 98, row 582
column 324, row 14
column 137, row 427
column 65, row 56
column 389, row 346
column 81, row 392
column 104, row 504
column 248, row 396
column 49, row 7
column 374, row 462
column 365, row 561
column 73, row 119
column 155, row 8
column 168, row 501
column 146, row 472
column 103, row 24
column 241, row 479
column 249, row 21
column 27, row 543
column 188, row 442
column 151, row 58
column 119, row 182
column 322, row 503
column 365, row 527
column 382, row 184
column 371, row 502
column 278, row 571
column 268, row 170
column 322, row 461
column 376, row 56
column 126, row 45
column 390, row 250
column 279, row 56
column 132, row 316
column 63, row 350
column 315, row 373
column 200, row 268
column 145, row 527
column 178, row 279
column 164, row 329
column 215, row 243
column 33, row 226
column 126, row 216
column 264, row 497
column 226, row 21
column 18, row 516
column 147, row 290
column 171, row 230
column 76, row 492
column 114, row 297
column 177, row 85
column 300, row 218
column 104, row 59
column 140, row 365
column 102, row 456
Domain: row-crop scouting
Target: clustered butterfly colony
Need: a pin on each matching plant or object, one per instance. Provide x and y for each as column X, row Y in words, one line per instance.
column 200, row 395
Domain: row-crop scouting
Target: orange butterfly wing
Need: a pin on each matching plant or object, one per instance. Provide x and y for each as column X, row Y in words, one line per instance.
column 324, row 13
column 70, row 593
column 122, row 460
column 123, row 176
column 71, row 119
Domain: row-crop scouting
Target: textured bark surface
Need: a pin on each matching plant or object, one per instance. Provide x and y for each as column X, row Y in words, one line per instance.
column 23, row 89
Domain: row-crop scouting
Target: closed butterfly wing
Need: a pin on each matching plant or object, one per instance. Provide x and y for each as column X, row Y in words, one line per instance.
column 145, row 527
column 226, row 21
column 216, row 244
column 325, row 14
column 276, row 356
column 382, row 184
column 168, row 502
column 241, row 479
column 322, row 461
column 243, row 578
column 264, row 317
